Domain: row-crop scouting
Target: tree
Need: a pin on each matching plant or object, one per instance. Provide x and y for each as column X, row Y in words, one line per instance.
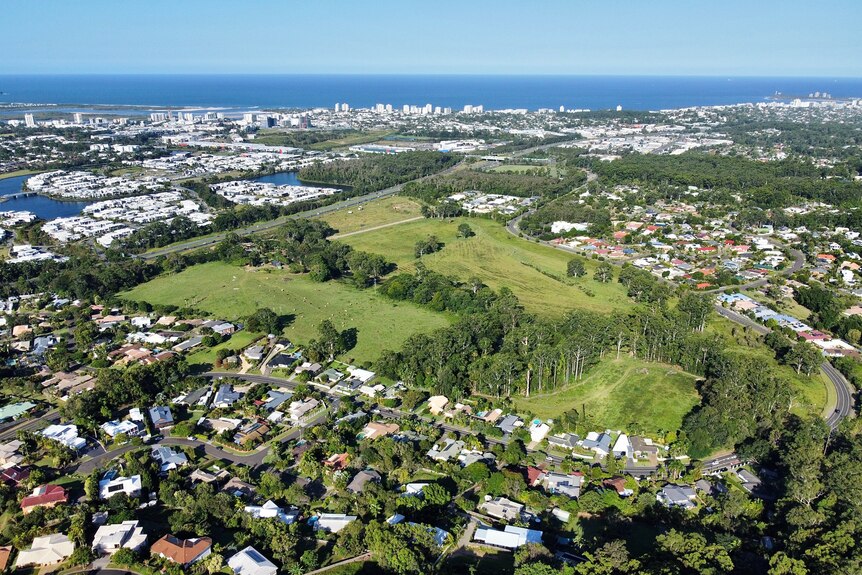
column 465, row 231
column 604, row 273
column 435, row 494
column 696, row 307
column 264, row 320
column 804, row 357
column 575, row 268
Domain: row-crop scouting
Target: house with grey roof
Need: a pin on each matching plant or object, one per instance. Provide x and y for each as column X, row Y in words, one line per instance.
column 169, row 459
column 510, row 423
column 161, row 416
column 677, row 496
column 446, row 450
column 357, row 485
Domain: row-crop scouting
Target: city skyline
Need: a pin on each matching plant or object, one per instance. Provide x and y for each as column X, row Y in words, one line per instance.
column 489, row 38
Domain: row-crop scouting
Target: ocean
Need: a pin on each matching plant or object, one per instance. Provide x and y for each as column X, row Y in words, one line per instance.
column 237, row 92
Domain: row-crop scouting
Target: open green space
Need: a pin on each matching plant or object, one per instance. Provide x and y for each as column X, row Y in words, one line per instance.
column 233, row 293
column 625, row 393
column 534, row 272
column 479, row 560
column 17, row 173
column 207, row 355
column 377, row 213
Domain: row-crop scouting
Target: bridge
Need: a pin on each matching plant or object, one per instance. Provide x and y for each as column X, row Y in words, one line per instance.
column 17, row 195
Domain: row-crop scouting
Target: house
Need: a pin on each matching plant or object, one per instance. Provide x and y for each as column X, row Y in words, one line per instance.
column 220, row 327
column 502, row 508
column 275, row 399
column 376, row 429
column 598, row 442
column 131, row 486
column 281, row 361
column 331, row 376
column 470, row 456
column 185, row 552
column 750, row 482
column 9, row 453
column 622, row 446
column 563, row 484
column 5, row 552
column 357, row 485
column 125, row 427
column 677, row 496
column 14, row 475
column 254, row 353
column 437, row 403
column 46, row 550
column 311, row 369
column 510, row 423
column 44, row 496
column 249, row 561
column 125, row 535
column 440, row 536
column 15, row 410
column 643, row 448
column 492, row 416
column 161, row 417
column 238, row 488
column 65, row 434
column 299, row 409
column 618, row 484
column 270, row 509
column 566, row 441
column 446, row 450
column 336, row 461
column 225, row 396
column 510, row 538
column 169, row 459
column 538, row 431
column 252, row 432
column 332, row 522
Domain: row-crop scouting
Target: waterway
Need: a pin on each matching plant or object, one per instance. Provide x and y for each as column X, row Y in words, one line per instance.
column 44, row 207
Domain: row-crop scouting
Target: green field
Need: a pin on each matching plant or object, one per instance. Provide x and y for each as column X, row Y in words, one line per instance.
column 624, row 393
column 523, row 168
column 207, row 355
column 534, row 272
column 232, row 293
column 377, row 213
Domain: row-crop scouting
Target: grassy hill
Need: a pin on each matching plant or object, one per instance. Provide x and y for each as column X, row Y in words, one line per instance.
column 534, row 272
column 624, row 393
column 232, row 293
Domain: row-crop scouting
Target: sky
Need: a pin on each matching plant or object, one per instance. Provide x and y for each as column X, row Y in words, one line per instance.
column 614, row 37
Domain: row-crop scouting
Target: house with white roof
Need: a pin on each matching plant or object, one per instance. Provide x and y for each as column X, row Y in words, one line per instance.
column 46, row 550
column 169, row 459
column 333, row 522
column 510, row 538
column 65, row 434
column 131, row 486
column 125, row 535
column 271, row 509
column 249, row 561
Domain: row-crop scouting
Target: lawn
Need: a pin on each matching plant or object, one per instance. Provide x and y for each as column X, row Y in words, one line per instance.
column 233, row 293
column 534, row 272
column 207, row 355
column 483, row 560
column 17, row 173
column 377, row 213
column 624, row 393
column 523, row 168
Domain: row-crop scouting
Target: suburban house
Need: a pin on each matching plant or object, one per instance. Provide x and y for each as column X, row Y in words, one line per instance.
column 253, row 431
column 271, row 509
column 376, row 429
column 677, row 496
column 169, row 459
column 249, row 561
column 44, row 496
column 126, row 427
column 225, row 396
column 510, row 538
column 46, row 550
column 510, row 423
column 563, row 484
column 437, row 403
column 238, row 488
column 445, row 450
column 182, row 551
column 126, row 535
column 618, row 484
column 357, row 485
column 131, row 486
column 299, row 409
column 332, row 522
column 161, row 417
column 622, row 446
column 566, row 441
column 502, row 508
column 336, row 461
column 254, row 353
column 598, row 442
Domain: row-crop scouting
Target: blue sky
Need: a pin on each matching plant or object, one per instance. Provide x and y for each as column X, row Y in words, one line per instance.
column 682, row 37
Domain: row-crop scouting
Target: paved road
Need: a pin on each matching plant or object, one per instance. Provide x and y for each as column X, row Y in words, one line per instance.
column 844, row 403
column 32, row 424
column 251, row 459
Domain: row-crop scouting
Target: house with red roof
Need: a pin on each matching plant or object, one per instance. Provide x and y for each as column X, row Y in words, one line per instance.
column 44, row 496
